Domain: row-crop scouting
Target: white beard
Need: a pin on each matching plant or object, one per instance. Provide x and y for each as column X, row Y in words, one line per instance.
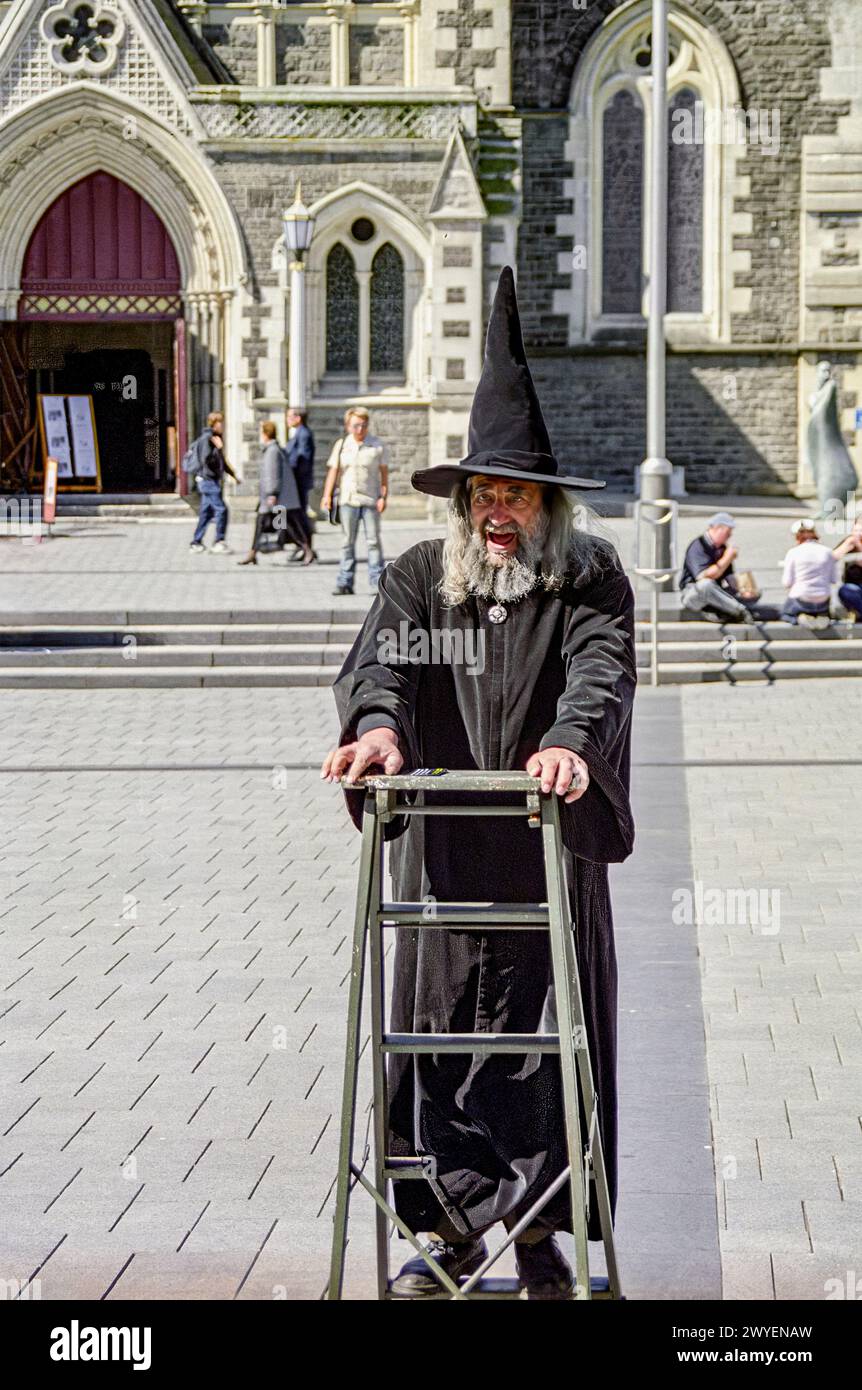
column 510, row 577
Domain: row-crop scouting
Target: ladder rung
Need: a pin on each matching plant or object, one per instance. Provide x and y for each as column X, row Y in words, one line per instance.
column 398, row 1167
column 471, row 1042
column 490, row 916
column 499, row 1287
column 402, row 808
column 503, row 1287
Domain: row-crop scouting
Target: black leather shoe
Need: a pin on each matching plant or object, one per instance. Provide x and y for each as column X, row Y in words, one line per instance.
column 340, row 589
column 544, row 1270
column 415, row 1279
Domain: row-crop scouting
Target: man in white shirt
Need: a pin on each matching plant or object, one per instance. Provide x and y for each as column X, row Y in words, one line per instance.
column 810, row 570
column 358, row 468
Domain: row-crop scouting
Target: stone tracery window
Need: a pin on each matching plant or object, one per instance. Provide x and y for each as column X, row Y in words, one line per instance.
column 624, row 177
column 611, row 194
column 622, row 204
column 387, row 310
column 342, row 312
column 83, row 36
column 685, row 213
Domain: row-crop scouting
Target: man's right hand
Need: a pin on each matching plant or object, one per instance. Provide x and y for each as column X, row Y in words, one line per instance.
column 377, row 747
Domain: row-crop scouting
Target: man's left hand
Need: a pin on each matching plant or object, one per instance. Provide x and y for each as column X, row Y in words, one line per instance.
column 381, row 504
column 560, row 770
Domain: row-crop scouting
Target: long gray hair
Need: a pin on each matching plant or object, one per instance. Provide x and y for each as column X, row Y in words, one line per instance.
column 577, row 545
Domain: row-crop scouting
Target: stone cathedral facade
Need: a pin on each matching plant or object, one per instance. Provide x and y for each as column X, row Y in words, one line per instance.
column 148, row 150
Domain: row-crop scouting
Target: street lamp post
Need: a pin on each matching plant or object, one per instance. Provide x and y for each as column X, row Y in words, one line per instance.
column 298, row 231
column 656, row 470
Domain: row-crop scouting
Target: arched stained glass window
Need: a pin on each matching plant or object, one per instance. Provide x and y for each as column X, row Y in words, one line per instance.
column 684, row 207
column 387, row 310
column 622, row 204
column 342, row 312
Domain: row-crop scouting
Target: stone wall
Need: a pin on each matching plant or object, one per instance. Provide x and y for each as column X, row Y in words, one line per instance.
column 544, row 169
column 236, row 46
column 376, row 55
column 731, row 417
column 403, row 430
column 303, row 54
column 778, row 50
column 259, row 187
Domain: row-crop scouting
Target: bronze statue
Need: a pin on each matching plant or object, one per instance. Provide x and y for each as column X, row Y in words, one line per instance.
column 828, row 457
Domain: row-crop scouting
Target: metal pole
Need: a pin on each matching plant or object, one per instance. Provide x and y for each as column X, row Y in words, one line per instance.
column 656, row 470
column 296, row 387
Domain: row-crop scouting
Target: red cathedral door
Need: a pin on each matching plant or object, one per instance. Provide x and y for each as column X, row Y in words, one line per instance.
column 101, row 289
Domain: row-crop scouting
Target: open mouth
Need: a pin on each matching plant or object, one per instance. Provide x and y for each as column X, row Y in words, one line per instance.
column 501, row 541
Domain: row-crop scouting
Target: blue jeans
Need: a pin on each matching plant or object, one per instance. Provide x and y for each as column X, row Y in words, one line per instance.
column 350, row 519
column 851, row 596
column 794, row 606
column 212, row 509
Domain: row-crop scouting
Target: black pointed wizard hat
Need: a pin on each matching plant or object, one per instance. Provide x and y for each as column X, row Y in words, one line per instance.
column 507, row 436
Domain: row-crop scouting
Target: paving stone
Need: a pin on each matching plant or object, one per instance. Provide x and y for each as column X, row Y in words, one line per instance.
column 746, row 1277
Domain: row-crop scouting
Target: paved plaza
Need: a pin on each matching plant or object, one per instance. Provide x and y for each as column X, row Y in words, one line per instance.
column 174, row 940
column 118, row 566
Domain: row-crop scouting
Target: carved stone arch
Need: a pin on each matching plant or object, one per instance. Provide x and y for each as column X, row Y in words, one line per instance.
column 394, row 223
column 85, row 129
column 608, row 65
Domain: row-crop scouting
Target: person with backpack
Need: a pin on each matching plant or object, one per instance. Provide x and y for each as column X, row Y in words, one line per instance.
column 279, row 499
column 206, row 463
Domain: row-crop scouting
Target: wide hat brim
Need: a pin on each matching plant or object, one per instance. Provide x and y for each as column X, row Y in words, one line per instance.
column 527, row 468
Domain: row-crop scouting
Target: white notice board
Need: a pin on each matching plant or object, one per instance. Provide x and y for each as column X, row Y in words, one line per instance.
column 55, row 431
column 83, row 436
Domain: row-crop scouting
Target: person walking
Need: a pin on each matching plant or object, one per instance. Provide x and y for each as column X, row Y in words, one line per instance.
column 279, row 499
column 358, row 467
column 300, row 451
column 211, row 466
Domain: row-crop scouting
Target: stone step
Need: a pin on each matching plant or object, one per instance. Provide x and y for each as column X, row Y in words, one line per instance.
column 847, row 651
column 132, row 675
column 307, row 654
column 685, row 673
column 745, row 632
column 353, row 615
column 175, row 635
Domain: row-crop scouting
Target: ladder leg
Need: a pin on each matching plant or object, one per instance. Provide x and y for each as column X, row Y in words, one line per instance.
column 603, row 1201
column 597, row 1154
column 568, row 1007
column 587, row 1087
column 367, row 859
column 378, row 1063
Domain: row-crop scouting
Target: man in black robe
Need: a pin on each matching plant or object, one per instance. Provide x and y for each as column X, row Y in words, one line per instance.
column 508, row 645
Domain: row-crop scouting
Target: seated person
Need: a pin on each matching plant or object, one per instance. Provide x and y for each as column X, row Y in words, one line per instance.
column 707, row 583
column 850, row 592
column 810, row 570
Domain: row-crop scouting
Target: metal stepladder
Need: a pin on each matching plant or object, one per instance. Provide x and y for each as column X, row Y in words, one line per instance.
column 385, row 798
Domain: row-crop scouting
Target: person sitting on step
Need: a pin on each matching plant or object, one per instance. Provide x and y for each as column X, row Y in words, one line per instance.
column 850, row 592
column 707, row 585
column 810, row 570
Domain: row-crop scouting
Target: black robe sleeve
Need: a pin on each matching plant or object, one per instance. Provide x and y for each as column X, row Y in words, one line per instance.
column 594, row 716
column 377, row 678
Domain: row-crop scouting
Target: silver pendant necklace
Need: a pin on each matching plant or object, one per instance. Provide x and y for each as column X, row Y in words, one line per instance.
column 498, row 614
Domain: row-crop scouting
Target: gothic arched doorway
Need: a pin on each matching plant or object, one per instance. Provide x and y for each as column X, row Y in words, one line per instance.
column 101, row 293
